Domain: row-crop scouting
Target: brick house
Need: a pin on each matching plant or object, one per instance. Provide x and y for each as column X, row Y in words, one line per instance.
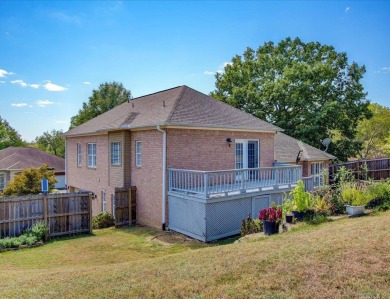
column 148, row 142
column 14, row 159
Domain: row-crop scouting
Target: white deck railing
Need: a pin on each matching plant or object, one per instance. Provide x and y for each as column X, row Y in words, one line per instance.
column 206, row 183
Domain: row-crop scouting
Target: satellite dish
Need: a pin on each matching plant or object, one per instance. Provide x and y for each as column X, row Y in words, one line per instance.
column 326, row 143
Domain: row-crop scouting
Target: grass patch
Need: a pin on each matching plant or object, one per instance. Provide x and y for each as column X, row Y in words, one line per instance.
column 348, row 258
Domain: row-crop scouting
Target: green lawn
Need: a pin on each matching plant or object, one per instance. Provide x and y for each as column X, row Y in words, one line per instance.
column 349, row 258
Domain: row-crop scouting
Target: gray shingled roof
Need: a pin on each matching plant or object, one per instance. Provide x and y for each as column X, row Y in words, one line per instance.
column 287, row 148
column 17, row 158
column 179, row 106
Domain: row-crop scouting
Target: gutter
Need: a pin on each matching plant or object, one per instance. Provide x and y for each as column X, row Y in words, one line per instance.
column 164, row 176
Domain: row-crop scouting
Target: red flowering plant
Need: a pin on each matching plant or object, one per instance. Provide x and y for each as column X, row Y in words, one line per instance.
column 272, row 214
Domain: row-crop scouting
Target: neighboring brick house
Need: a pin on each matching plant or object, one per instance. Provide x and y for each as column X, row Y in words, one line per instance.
column 136, row 143
column 14, row 159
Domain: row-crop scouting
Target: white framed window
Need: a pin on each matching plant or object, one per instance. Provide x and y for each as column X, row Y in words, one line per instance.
column 2, row 181
column 104, row 202
column 91, row 150
column 79, row 154
column 115, row 153
column 316, row 171
column 138, row 153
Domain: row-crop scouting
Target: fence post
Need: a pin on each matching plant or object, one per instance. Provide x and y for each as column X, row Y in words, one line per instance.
column 45, row 210
column 90, row 212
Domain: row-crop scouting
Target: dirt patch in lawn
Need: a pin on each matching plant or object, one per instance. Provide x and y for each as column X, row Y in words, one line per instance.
column 169, row 238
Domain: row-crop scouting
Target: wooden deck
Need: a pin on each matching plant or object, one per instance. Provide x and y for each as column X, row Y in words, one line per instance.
column 222, row 183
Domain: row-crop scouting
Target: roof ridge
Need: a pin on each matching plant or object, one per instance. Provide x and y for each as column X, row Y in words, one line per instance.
column 177, row 101
column 149, row 94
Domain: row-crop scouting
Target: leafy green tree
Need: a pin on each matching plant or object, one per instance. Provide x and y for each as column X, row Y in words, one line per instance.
column 308, row 89
column 374, row 133
column 52, row 142
column 29, row 181
column 106, row 97
column 9, row 136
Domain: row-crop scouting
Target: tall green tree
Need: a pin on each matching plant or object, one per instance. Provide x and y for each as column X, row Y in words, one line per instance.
column 374, row 133
column 52, row 142
column 308, row 89
column 29, row 181
column 106, row 97
column 9, row 136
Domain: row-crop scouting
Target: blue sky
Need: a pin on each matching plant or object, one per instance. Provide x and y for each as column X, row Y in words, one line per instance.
column 52, row 54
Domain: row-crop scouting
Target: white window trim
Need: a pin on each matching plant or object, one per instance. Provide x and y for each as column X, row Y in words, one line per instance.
column 79, row 154
column 93, row 165
column 119, row 154
column 138, row 155
column 245, row 152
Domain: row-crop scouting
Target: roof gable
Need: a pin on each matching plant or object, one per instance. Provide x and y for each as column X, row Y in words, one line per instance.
column 16, row 158
column 179, row 106
column 287, row 148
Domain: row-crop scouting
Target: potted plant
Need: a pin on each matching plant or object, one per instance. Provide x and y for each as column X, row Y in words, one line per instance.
column 271, row 218
column 355, row 199
column 301, row 201
column 286, row 207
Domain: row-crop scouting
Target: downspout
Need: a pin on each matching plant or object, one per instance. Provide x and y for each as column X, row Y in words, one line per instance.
column 164, row 176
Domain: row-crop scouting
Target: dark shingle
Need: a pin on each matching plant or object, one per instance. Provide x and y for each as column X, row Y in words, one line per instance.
column 179, row 106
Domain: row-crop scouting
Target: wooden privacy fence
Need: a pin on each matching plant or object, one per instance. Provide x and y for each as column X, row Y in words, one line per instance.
column 378, row 169
column 124, row 206
column 65, row 214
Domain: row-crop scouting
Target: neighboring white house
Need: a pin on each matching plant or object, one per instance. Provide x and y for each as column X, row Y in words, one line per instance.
column 14, row 159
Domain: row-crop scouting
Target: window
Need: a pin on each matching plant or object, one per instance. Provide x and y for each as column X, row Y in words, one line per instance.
column 115, row 153
column 79, row 154
column 91, row 154
column 138, row 153
column 316, row 170
column 104, row 202
column 2, row 181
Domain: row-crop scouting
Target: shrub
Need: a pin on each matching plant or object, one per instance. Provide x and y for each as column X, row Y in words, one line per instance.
column 26, row 239
column 29, row 181
column 315, row 219
column 40, row 230
column 103, row 220
column 354, row 196
column 301, row 200
column 251, row 226
column 379, row 195
column 331, row 196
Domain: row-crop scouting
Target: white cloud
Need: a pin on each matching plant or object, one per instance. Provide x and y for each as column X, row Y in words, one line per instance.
column 347, row 9
column 19, row 105
column 385, row 69
column 44, row 103
column 4, row 73
column 87, row 83
column 54, row 87
column 34, row 85
column 62, row 122
column 225, row 64
column 208, row 73
column 19, row 82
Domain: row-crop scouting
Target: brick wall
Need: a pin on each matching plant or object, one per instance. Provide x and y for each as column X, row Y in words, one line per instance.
column 82, row 177
column 148, row 177
column 208, row 150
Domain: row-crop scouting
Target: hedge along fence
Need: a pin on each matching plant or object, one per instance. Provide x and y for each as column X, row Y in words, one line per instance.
column 65, row 214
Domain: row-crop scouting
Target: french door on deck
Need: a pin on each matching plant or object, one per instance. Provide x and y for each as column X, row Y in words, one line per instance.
column 247, row 155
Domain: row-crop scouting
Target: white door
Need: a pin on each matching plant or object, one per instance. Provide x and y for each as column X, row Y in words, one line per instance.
column 247, row 156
